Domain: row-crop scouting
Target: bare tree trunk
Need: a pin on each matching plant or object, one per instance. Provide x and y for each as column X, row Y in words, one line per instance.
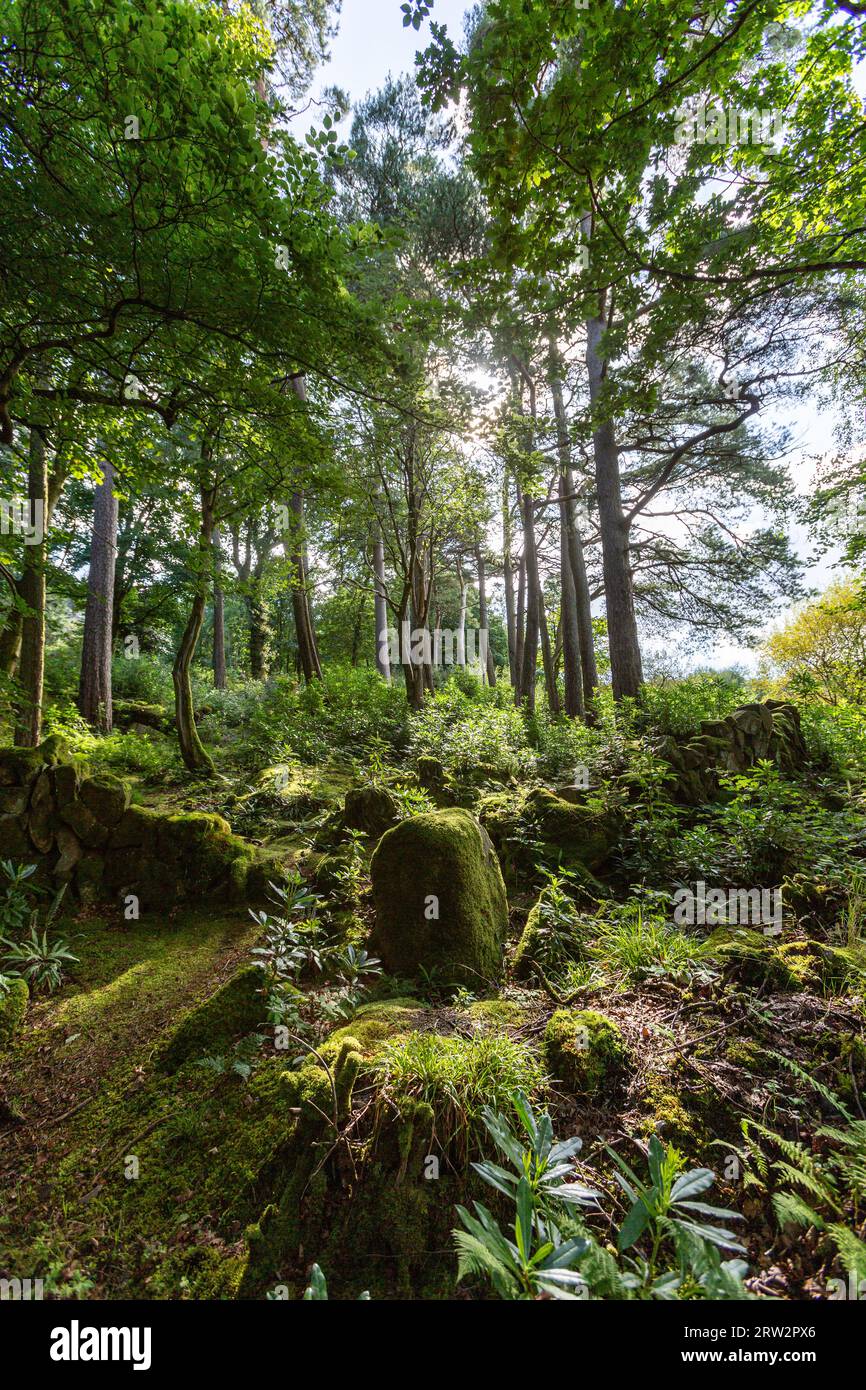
column 94, row 687
column 31, row 589
column 572, row 562
column 625, row 658
column 568, row 623
column 383, row 658
column 508, row 575
column 192, row 750
column 520, row 637
column 308, row 652
column 461, row 622
column 220, row 674
column 489, row 664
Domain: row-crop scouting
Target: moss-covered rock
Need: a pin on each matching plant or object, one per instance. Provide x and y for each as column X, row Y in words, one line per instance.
column 584, row 1050
column 13, row 1006
column 19, row 766
column 237, row 1008
column 375, row 1024
column 583, row 833
column 14, row 842
column 370, row 809
column 106, row 798
column 764, row 962
column 439, row 898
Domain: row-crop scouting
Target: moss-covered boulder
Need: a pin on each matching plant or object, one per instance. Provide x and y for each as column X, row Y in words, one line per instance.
column 583, row 1050
column 584, row 833
column 439, row 898
column 106, row 798
column 764, row 962
column 14, row 996
column 236, row 1009
column 372, row 810
column 376, row 1024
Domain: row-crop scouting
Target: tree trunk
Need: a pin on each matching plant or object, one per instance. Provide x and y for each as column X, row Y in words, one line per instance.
column 625, row 659
column 461, row 622
column 383, row 658
column 31, row 589
column 573, row 545
column 508, row 575
column 259, row 631
column 11, row 631
column 488, row 665
column 520, row 635
column 308, row 653
column 192, row 750
column 569, row 634
column 94, row 687
column 220, row 674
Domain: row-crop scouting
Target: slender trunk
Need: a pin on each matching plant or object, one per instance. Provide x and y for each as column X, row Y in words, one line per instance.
column 13, row 626
column 488, row 665
column 31, row 589
column 461, row 622
column 94, row 688
column 573, row 564
column 220, row 674
column 536, row 618
column 259, row 630
column 308, row 653
column 508, row 575
column 192, row 750
column 383, row 660
column 625, row 658
column 570, row 637
column 520, row 638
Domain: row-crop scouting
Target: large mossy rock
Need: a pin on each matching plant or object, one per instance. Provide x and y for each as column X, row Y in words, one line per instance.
column 440, row 899
column 579, row 835
column 372, row 810
column 13, row 1006
column 236, row 1009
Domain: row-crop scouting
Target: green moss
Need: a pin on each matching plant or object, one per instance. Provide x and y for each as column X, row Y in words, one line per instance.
column 585, row 834
column 236, row 1009
column 370, row 809
column 19, row 766
column 13, row 1006
column 440, row 900
column 584, row 1050
column 375, row 1024
column 499, row 1014
column 760, row 961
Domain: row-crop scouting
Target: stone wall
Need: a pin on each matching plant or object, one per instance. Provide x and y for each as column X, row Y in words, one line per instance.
column 82, row 831
column 770, row 730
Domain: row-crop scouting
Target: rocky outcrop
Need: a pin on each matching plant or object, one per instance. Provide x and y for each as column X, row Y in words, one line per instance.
column 770, row 730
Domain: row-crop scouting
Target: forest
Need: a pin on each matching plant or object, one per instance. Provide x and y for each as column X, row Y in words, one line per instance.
column 433, row 652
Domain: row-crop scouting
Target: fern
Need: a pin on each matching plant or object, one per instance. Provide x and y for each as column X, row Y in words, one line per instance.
column 850, row 1249
column 791, row 1210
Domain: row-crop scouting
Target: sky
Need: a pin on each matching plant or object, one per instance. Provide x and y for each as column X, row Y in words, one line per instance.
column 372, row 43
